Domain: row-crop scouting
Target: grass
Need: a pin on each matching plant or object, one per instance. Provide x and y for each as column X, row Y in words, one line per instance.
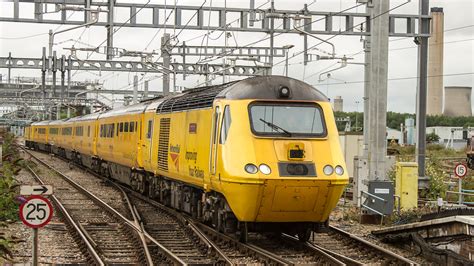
column 11, row 165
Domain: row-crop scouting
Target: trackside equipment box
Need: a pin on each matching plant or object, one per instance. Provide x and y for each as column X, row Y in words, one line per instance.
column 406, row 184
column 384, row 190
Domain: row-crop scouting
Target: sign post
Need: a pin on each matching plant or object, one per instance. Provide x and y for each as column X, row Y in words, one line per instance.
column 460, row 171
column 36, row 212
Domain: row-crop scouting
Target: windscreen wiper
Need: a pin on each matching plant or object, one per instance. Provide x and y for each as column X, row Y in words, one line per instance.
column 275, row 127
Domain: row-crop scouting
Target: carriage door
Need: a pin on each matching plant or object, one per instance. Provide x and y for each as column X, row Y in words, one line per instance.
column 146, row 137
column 214, row 141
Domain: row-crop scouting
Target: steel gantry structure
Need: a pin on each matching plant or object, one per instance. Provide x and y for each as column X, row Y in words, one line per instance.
column 377, row 24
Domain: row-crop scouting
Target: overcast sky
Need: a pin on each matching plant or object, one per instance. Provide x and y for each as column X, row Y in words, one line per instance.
column 347, row 82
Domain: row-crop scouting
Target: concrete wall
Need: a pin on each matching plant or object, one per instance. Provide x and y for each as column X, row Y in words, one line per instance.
column 435, row 63
column 351, row 145
column 458, row 101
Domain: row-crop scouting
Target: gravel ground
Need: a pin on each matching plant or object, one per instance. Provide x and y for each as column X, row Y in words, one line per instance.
column 52, row 237
column 107, row 193
column 352, row 226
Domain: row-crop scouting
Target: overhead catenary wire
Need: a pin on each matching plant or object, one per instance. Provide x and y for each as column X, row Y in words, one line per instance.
column 340, row 33
column 402, row 78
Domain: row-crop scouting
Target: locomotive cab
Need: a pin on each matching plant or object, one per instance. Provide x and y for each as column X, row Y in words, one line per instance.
column 275, row 154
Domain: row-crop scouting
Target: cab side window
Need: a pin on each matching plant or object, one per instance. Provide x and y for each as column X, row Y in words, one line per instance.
column 226, row 121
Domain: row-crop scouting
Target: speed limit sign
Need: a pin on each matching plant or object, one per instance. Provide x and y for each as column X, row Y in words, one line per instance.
column 36, row 212
column 460, row 170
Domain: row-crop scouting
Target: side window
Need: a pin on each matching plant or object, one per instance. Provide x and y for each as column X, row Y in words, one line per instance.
column 226, row 121
column 149, row 129
column 132, row 126
column 88, row 131
column 121, row 127
column 117, row 128
column 125, row 127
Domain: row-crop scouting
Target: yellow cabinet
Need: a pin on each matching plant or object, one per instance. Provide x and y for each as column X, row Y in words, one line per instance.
column 406, row 184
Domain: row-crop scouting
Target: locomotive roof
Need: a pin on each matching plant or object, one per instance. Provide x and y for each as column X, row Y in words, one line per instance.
column 267, row 87
column 262, row 87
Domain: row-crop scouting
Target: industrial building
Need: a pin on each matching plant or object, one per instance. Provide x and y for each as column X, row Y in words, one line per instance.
column 458, row 101
column 338, row 104
column 435, row 63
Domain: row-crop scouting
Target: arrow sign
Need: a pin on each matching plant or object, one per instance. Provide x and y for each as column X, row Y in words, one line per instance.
column 36, row 190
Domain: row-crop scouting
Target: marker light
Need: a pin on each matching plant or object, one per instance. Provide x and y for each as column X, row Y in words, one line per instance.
column 284, row 92
column 265, row 169
column 328, row 170
column 251, row 168
column 339, row 170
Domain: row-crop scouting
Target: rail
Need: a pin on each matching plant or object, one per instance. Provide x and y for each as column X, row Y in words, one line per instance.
column 374, row 197
column 81, row 233
column 364, row 242
column 136, row 227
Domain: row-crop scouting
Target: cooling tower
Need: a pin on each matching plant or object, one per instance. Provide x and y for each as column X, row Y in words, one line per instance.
column 435, row 63
column 338, row 103
column 457, row 101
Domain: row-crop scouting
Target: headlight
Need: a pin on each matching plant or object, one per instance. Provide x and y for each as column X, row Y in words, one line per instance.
column 328, row 170
column 265, row 169
column 339, row 170
column 251, row 168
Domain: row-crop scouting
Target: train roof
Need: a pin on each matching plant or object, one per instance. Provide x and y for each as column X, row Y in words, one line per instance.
column 262, row 87
column 130, row 109
column 41, row 123
column 87, row 117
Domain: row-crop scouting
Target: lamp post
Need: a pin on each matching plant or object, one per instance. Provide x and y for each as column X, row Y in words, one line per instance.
column 287, row 47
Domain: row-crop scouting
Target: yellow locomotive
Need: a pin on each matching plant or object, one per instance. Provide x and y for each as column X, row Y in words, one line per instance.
column 260, row 154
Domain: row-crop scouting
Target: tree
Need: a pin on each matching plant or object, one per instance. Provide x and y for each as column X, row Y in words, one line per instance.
column 432, row 137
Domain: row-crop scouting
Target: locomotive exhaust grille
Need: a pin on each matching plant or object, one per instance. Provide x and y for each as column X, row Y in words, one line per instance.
column 163, row 144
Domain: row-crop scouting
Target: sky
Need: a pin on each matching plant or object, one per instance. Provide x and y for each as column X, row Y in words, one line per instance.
column 27, row 40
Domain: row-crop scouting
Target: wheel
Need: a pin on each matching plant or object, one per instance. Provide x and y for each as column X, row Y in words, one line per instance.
column 304, row 234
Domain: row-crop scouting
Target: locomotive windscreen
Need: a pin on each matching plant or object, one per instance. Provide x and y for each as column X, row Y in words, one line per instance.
column 287, row 119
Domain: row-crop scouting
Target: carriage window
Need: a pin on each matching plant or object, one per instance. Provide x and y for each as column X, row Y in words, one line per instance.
column 150, row 127
column 121, row 127
column 226, row 120
column 125, row 127
column 132, row 127
column 67, row 131
column 78, row 131
column 53, row 131
column 88, row 131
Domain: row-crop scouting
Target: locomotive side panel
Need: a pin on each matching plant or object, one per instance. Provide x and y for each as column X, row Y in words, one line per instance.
column 182, row 148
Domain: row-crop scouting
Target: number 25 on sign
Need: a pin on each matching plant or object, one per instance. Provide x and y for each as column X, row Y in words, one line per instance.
column 36, row 212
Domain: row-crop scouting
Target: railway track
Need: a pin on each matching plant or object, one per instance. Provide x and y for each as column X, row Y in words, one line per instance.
column 291, row 251
column 180, row 240
column 106, row 235
column 353, row 250
column 106, row 239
